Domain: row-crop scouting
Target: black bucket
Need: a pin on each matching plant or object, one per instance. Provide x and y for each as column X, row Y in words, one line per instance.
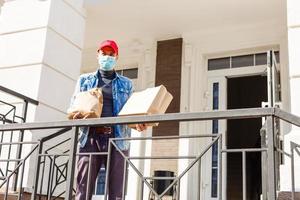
column 160, row 185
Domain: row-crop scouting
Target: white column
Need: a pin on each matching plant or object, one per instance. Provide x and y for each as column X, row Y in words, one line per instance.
column 185, row 127
column 293, row 28
column 40, row 53
column 146, row 80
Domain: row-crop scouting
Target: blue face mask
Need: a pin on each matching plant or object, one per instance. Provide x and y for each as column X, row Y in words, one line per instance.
column 107, row 63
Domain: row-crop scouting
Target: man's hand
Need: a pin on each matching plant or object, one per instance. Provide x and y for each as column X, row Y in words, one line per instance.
column 140, row 127
column 78, row 115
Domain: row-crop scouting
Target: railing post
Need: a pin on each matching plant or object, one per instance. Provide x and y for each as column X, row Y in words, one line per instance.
column 37, row 170
column 264, row 172
column 244, row 176
column 292, row 147
column 19, row 147
column 109, row 150
column 199, row 181
column 220, row 163
column 271, row 158
column 71, row 164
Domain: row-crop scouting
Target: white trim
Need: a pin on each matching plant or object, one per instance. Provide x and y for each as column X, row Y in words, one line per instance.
column 294, row 26
column 65, row 38
column 295, row 76
column 75, row 9
column 61, row 73
column 241, row 52
column 43, row 27
column 236, row 72
column 23, row 30
column 52, row 107
column 39, row 63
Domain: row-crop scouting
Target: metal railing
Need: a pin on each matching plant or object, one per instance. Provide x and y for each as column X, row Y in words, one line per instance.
column 10, row 116
column 71, row 127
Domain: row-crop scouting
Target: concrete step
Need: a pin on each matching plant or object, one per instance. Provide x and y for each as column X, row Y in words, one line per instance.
column 25, row 196
column 288, row 195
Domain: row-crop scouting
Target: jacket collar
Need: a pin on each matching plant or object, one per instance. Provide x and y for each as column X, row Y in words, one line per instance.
column 95, row 80
column 95, row 74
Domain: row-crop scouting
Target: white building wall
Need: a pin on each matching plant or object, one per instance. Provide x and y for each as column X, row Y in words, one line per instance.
column 293, row 31
column 40, row 55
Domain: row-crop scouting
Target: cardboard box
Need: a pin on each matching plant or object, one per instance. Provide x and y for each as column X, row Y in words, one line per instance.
column 150, row 101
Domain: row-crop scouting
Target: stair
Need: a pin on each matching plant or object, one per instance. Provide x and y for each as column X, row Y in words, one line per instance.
column 288, row 196
column 26, row 196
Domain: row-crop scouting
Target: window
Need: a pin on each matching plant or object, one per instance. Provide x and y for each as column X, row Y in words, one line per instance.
column 218, row 63
column 261, row 59
column 240, row 61
column 129, row 73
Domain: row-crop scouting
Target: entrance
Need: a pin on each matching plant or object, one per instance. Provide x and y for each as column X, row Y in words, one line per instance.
column 244, row 92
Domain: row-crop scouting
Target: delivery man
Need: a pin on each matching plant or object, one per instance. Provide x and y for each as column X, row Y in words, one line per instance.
column 116, row 90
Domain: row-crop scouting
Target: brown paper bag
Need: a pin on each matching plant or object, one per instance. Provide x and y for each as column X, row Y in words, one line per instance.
column 88, row 103
column 150, row 101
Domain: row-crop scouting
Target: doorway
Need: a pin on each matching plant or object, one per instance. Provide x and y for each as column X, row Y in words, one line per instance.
column 244, row 92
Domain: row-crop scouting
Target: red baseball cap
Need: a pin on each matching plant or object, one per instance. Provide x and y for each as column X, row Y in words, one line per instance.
column 109, row 43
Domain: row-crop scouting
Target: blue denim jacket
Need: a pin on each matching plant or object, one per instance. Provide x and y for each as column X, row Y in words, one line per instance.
column 121, row 90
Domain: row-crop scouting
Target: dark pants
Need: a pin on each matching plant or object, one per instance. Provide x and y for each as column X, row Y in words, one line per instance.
column 99, row 143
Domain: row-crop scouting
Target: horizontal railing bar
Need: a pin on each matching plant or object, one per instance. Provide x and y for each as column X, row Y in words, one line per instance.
column 10, row 160
column 160, row 178
column 92, row 153
column 288, row 117
column 194, row 116
column 16, row 94
column 51, row 155
column 160, row 157
column 243, row 150
column 166, row 137
column 16, row 143
column 63, row 154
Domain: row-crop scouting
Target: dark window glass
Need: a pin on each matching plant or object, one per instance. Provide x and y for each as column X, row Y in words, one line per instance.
column 131, row 73
column 215, row 155
column 215, row 130
column 261, row 59
column 215, row 124
column 218, row 63
column 242, row 61
column 214, row 182
column 215, row 96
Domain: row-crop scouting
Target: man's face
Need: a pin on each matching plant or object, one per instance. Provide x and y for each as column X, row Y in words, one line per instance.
column 107, row 51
